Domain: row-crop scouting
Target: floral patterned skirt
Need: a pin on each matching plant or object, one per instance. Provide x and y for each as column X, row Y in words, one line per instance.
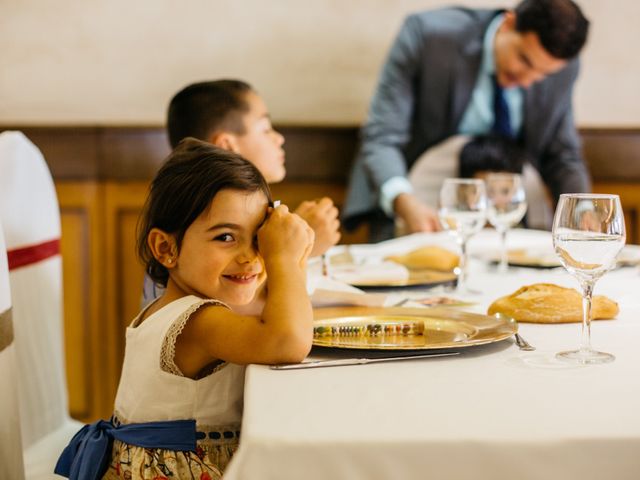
column 208, row 462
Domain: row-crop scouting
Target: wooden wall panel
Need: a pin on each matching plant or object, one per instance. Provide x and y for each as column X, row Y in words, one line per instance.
column 77, row 334
column 630, row 198
column 123, row 273
column 80, row 208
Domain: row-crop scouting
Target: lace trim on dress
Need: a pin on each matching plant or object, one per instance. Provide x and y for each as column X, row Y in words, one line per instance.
column 168, row 350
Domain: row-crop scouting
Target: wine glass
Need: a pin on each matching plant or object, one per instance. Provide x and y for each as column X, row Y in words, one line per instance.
column 588, row 233
column 463, row 205
column 506, row 205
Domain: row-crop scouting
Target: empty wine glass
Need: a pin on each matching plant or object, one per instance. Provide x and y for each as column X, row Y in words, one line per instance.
column 588, row 233
column 463, row 205
column 506, row 205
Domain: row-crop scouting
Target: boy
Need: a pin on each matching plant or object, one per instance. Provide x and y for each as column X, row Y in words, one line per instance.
column 231, row 115
column 495, row 153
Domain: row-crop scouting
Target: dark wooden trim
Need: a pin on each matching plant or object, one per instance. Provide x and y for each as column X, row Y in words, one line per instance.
column 314, row 153
column 612, row 154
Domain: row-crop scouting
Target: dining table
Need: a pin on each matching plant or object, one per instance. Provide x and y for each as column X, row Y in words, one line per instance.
column 491, row 411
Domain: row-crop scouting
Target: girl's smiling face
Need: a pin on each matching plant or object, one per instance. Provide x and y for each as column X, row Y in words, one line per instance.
column 218, row 257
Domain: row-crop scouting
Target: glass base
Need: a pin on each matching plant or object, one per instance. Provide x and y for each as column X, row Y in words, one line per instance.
column 585, row 357
column 502, row 267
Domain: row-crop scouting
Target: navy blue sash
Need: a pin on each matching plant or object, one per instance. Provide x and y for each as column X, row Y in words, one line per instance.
column 88, row 454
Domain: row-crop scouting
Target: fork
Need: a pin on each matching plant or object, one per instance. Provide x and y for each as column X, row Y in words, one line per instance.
column 522, row 343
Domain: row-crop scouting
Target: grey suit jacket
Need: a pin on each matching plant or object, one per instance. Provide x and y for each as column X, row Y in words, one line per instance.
column 423, row 91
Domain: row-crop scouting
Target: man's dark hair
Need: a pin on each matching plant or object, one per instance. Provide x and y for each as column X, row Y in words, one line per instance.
column 490, row 153
column 560, row 25
column 203, row 108
column 184, row 187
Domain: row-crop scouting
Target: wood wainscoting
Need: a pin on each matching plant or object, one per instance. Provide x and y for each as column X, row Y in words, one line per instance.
column 102, row 176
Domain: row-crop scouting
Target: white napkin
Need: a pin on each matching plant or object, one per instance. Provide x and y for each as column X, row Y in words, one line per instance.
column 326, row 292
column 374, row 273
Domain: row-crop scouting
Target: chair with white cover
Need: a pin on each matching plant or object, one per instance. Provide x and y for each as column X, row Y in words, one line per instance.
column 30, row 218
column 11, row 465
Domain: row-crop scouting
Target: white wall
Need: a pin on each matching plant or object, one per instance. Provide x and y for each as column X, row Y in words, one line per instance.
column 112, row 62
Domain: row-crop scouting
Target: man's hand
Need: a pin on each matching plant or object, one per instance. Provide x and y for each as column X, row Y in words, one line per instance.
column 416, row 215
column 322, row 217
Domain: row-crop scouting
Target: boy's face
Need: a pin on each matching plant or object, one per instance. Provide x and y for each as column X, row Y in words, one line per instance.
column 218, row 257
column 260, row 143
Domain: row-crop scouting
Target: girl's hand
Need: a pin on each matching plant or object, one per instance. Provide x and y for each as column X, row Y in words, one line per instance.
column 285, row 237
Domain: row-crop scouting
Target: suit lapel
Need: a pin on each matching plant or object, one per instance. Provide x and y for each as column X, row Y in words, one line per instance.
column 534, row 122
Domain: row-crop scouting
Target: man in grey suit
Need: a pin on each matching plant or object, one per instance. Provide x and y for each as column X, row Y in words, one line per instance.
column 463, row 71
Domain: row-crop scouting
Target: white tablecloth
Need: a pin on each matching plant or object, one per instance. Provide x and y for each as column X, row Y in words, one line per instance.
column 494, row 412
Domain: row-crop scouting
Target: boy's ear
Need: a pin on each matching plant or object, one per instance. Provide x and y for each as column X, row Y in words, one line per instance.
column 510, row 19
column 225, row 140
column 163, row 246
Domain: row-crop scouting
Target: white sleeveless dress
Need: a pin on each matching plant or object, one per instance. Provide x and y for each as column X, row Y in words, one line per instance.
column 152, row 388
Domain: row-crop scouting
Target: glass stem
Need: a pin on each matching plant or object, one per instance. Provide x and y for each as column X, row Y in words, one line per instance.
column 503, row 267
column 587, row 294
column 462, row 276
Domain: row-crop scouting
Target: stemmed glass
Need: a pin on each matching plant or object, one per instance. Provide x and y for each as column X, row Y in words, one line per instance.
column 506, row 205
column 588, row 233
column 463, row 205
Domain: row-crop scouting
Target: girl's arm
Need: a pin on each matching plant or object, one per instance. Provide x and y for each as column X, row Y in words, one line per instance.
column 283, row 332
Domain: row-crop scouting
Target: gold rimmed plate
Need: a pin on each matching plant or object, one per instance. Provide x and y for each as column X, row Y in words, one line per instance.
column 417, row 278
column 407, row 328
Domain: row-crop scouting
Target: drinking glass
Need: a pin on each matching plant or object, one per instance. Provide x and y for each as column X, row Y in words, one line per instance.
column 588, row 233
column 506, row 205
column 463, row 205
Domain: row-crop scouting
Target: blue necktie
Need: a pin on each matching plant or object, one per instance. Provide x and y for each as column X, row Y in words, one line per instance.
column 502, row 118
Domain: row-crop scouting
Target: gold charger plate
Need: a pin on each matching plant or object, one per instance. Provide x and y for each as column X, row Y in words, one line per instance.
column 417, row 278
column 395, row 328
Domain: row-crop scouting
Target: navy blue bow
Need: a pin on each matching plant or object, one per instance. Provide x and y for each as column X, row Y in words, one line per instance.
column 88, row 454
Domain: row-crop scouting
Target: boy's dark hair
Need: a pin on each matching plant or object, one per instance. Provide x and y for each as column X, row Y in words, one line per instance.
column 200, row 109
column 184, row 187
column 560, row 25
column 491, row 153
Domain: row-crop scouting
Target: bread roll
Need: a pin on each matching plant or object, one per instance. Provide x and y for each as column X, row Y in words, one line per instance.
column 431, row 257
column 548, row 303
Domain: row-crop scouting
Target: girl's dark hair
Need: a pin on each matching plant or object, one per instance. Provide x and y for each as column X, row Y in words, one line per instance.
column 184, row 187
column 200, row 109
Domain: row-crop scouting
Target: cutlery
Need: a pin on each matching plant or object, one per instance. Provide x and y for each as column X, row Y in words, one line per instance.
column 355, row 361
column 523, row 344
column 325, row 264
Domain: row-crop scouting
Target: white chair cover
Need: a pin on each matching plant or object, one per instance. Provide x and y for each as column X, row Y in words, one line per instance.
column 31, row 220
column 441, row 161
column 11, row 465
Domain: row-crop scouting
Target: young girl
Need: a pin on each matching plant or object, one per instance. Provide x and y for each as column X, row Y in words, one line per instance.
column 209, row 235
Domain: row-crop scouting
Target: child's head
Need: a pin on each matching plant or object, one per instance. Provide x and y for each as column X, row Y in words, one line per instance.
column 490, row 153
column 199, row 223
column 230, row 115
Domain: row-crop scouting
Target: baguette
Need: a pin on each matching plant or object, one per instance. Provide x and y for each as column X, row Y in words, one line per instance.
column 430, row 257
column 548, row 303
